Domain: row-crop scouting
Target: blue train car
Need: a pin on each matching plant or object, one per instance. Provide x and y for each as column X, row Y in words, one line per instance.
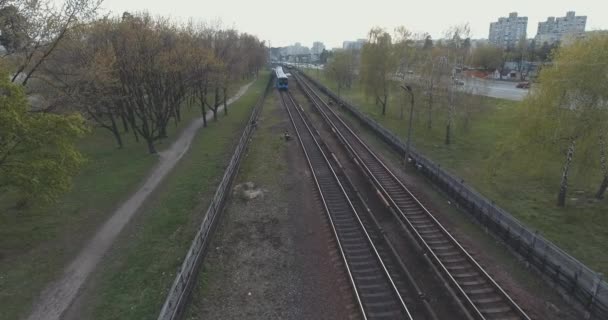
column 282, row 83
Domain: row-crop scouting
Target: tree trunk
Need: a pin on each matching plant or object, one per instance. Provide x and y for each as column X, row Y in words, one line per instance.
column 204, row 113
column 603, row 187
column 448, row 127
column 125, row 124
column 604, row 167
column 429, row 124
column 216, row 103
column 225, row 102
column 163, row 132
column 115, row 131
column 563, row 186
column 151, row 147
column 178, row 114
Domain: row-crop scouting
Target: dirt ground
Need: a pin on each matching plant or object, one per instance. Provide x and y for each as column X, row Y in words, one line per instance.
column 59, row 295
column 273, row 256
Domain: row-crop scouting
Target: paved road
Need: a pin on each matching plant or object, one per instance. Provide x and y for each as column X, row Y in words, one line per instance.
column 496, row 89
column 490, row 88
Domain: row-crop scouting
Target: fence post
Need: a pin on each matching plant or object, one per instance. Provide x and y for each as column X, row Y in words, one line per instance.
column 596, row 290
column 531, row 248
column 575, row 279
column 556, row 277
column 520, row 243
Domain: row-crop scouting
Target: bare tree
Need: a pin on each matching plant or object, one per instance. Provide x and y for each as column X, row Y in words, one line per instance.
column 44, row 26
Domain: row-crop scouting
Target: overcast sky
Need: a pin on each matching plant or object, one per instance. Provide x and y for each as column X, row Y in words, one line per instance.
column 333, row 21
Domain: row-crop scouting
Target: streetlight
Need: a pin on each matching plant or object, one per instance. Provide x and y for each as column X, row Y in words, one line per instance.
column 409, row 90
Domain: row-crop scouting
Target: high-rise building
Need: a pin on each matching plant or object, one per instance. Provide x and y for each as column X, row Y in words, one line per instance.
column 508, row 31
column 317, row 47
column 555, row 29
column 353, row 45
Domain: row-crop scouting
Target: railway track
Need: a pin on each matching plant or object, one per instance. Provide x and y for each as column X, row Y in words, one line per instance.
column 378, row 283
column 482, row 297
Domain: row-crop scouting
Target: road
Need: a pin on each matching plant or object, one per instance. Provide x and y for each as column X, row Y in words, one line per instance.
column 495, row 89
column 490, row 88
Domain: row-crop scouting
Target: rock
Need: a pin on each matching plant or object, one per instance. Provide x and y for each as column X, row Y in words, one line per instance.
column 248, row 191
column 251, row 194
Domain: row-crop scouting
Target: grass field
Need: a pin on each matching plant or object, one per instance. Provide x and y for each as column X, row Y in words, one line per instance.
column 581, row 228
column 36, row 242
column 133, row 281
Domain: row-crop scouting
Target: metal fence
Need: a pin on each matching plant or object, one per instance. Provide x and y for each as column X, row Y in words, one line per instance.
column 573, row 279
column 179, row 293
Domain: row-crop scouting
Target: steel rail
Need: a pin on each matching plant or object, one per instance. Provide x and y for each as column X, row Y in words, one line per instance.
column 363, row 304
column 320, row 105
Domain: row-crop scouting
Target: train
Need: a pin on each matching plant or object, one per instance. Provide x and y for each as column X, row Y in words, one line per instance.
column 282, row 83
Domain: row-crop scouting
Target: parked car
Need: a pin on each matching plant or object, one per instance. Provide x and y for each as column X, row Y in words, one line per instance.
column 523, row 85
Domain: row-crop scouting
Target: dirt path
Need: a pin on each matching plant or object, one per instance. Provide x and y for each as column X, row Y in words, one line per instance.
column 58, row 296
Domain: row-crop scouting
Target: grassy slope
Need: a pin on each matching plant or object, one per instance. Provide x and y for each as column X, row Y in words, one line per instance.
column 35, row 243
column 135, row 278
column 580, row 228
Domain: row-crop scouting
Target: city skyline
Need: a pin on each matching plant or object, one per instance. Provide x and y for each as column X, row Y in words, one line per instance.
column 319, row 21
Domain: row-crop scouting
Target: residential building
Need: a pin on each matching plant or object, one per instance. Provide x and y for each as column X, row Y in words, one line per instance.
column 353, row 45
column 557, row 29
column 317, row 47
column 508, row 31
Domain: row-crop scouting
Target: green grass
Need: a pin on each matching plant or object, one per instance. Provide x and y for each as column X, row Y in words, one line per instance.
column 37, row 242
column 581, row 228
column 133, row 281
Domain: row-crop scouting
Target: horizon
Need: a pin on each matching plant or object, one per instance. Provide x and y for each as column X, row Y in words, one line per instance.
column 318, row 21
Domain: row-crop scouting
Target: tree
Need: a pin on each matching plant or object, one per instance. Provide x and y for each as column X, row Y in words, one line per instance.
column 41, row 28
column 404, row 50
column 341, row 69
column 566, row 114
column 151, row 71
column 428, row 43
column 487, row 57
column 12, row 26
column 323, row 56
column 37, row 153
column 378, row 64
column 458, row 48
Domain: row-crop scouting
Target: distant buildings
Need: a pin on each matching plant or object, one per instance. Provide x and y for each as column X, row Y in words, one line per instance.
column 556, row 29
column 353, row 45
column 507, row 31
column 317, row 47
